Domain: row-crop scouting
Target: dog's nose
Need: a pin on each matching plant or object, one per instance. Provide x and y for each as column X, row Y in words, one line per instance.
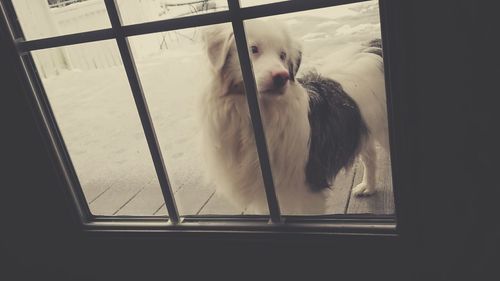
column 280, row 77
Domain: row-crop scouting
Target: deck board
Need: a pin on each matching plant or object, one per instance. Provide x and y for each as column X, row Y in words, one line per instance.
column 162, row 211
column 380, row 203
column 341, row 190
column 120, row 193
column 218, row 205
column 191, row 198
column 147, row 201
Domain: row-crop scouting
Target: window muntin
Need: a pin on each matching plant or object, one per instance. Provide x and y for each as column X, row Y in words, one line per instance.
column 168, row 25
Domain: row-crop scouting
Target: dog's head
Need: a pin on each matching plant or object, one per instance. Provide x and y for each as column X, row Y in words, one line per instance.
column 274, row 54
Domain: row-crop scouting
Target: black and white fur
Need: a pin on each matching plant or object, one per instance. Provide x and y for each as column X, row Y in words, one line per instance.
column 315, row 125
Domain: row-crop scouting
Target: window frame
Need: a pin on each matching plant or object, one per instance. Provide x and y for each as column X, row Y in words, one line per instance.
column 273, row 224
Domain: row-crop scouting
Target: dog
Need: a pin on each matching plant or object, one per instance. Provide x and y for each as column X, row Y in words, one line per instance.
column 315, row 125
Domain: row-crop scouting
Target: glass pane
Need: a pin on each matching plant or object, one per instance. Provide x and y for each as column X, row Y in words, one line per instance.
column 139, row 11
column 187, row 107
column 326, row 118
column 49, row 18
column 90, row 96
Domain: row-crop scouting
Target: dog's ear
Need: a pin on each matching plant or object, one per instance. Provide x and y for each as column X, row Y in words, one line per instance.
column 218, row 40
column 294, row 60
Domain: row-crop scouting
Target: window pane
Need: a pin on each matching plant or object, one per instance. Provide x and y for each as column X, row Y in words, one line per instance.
column 187, row 104
column 90, row 96
column 327, row 113
column 139, row 11
column 48, row 18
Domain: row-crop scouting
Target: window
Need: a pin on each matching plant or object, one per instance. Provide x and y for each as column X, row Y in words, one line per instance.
column 120, row 112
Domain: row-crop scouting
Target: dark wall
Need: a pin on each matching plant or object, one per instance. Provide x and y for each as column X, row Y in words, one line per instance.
column 447, row 68
column 451, row 70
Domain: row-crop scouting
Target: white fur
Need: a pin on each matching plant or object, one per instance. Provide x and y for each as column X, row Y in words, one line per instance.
column 227, row 133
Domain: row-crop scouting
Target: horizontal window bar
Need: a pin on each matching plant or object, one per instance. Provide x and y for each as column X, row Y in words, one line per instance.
column 176, row 23
column 251, row 225
column 127, row 30
column 224, row 16
column 247, row 218
column 290, row 7
column 179, row 23
column 64, row 40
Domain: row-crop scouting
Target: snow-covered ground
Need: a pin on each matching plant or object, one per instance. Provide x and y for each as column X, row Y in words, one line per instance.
column 98, row 119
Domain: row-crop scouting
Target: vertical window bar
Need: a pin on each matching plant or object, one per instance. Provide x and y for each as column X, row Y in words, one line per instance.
column 55, row 135
column 11, row 16
column 40, row 100
column 142, row 108
column 251, row 94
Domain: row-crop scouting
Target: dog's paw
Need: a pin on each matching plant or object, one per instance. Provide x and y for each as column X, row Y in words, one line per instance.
column 363, row 189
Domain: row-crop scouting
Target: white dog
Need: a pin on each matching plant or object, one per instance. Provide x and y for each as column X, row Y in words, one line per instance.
column 314, row 126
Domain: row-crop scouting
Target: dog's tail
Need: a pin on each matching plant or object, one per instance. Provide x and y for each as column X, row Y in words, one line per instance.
column 375, row 47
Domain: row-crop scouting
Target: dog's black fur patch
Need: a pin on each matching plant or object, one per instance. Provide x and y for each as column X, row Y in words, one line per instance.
column 375, row 47
column 376, row 43
column 337, row 130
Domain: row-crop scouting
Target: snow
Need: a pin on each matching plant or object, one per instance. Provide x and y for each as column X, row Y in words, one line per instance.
column 328, row 23
column 361, row 28
column 314, row 36
column 96, row 113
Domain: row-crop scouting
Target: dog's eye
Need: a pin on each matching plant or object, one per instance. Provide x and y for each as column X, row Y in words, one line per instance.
column 282, row 55
column 255, row 49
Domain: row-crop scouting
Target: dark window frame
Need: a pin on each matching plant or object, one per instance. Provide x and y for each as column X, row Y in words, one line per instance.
column 275, row 223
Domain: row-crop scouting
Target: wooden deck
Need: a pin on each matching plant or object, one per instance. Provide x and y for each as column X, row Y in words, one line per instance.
column 129, row 197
